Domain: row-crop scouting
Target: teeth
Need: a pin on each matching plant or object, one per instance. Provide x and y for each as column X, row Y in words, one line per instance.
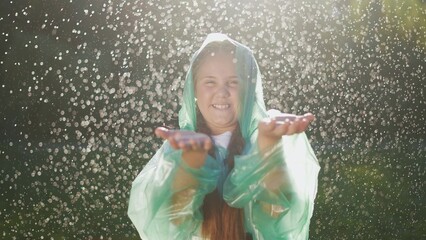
column 220, row 106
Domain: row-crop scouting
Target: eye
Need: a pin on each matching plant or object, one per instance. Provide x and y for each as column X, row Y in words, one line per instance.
column 233, row 82
column 209, row 82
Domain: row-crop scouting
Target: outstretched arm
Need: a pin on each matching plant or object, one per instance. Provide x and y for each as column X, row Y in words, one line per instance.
column 166, row 196
column 271, row 131
column 263, row 169
column 194, row 148
column 277, row 178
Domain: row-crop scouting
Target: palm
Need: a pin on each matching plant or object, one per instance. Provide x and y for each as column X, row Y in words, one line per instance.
column 284, row 124
column 185, row 140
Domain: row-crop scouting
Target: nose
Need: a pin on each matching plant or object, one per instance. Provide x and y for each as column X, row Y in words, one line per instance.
column 223, row 91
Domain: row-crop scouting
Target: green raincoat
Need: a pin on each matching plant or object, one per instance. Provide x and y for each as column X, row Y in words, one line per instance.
column 281, row 213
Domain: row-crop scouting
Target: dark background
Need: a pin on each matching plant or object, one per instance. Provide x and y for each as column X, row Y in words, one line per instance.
column 84, row 83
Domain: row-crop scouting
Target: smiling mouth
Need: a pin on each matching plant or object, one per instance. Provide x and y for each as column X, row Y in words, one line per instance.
column 221, row 106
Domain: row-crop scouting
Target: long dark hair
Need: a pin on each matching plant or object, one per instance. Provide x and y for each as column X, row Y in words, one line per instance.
column 221, row 222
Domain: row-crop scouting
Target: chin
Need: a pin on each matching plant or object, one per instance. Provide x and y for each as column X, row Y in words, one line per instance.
column 226, row 124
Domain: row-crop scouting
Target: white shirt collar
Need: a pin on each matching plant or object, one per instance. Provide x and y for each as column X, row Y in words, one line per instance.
column 222, row 139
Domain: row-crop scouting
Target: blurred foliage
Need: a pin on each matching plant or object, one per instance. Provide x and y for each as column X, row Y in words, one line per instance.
column 406, row 18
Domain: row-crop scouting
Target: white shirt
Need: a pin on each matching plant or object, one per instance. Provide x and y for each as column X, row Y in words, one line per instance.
column 222, row 139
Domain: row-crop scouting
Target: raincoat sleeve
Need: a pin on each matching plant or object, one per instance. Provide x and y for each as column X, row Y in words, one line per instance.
column 279, row 186
column 166, row 196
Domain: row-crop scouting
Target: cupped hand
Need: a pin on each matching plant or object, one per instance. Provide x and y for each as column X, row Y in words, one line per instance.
column 271, row 129
column 284, row 124
column 185, row 140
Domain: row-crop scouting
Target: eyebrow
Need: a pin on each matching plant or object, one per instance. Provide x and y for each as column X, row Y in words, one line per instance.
column 213, row 77
column 208, row 77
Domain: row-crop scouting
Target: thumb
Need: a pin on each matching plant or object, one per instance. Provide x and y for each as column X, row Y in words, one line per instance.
column 162, row 132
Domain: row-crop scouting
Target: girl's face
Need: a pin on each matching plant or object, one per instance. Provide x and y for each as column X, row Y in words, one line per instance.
column 216, row 90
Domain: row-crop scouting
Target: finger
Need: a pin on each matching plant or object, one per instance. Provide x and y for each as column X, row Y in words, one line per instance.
column 302, row 125
column 162, row 132
column 173, row 142
column 309, row 116
column 194, row 144
column 286, row 117
column 282, row 128
column 204, row 143
column 267, row 124
column 185, row 142
column 182, row 145
column 207, row 144
column 292, row 129
column 298, row 124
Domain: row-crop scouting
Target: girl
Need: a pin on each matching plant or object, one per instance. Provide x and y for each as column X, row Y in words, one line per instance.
column 233, row 170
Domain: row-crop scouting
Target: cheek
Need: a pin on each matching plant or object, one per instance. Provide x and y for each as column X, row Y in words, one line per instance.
column 202, row 95
column 197, row 92
column 235, row 97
